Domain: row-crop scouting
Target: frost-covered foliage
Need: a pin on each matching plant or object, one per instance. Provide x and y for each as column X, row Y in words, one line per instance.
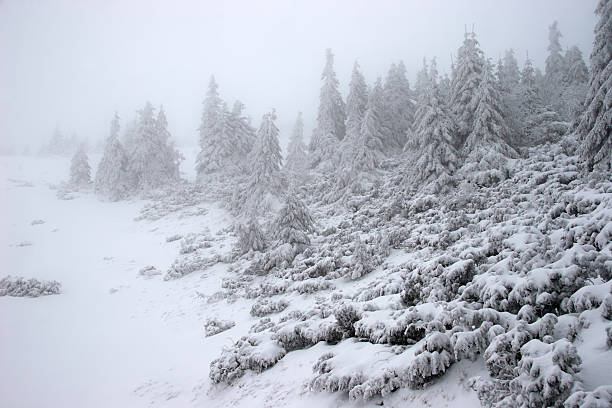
column 600, row 397
column 296, row 160
column 331, row 118
column 399, row 107
column 466, row 80
column 111, row 177
column 250, row 237
column 153, row 161
column 294, row 222
column 80, row 171
column 265, row 307
column 21, row 287
column 430, row 150
column 216, row 326
column 265, row 163
column 596, row 120
column 226, row 137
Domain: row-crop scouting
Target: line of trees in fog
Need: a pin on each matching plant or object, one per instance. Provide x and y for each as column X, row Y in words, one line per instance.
column 476, row 118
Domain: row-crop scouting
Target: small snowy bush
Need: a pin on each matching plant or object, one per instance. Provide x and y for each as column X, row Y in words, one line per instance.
column 21, row 287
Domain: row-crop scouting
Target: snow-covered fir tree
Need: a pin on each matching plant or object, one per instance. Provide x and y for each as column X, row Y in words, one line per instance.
column 214, row 148
column 555, row 63
column 356, row 105
column 366, row 150
column 398, row 105
column 294, row 222
column 296, row 162
column 468, row 74
column 330, row 127
column 430, row 151
column 487, row 142
column 242, row 134
column 575, row 80
column 509, row 80
column 250, row 237
column 80, row 171
column 110, row 180
column 153, row 161
column 596, row 121
column 265, row 161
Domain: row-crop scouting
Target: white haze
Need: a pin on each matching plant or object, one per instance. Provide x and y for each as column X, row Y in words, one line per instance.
column 73, row 63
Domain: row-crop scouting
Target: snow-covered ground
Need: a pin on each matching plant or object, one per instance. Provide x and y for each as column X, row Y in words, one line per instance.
column 116, row 338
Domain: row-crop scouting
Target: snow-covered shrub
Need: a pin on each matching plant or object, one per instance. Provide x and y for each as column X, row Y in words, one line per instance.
column 256, row 352
column 188, row 264
column 545, row 373
column 250, row 237
column 600, row 397
column 192, row 242
column 609, row 336
column 300, row 335
column 432, row 359
column 313, row 285
column 149, row 271
column 265, row 307
column 21, row 287
column 471, row 343
column 362, row 262
column 216, row 326
column 346, row 316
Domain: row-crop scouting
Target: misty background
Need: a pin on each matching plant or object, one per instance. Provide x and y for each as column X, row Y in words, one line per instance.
column 71, row 64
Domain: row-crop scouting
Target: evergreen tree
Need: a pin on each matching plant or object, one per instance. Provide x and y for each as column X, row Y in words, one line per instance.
column 422, row 81
column 80, row 171
column 554, row 67
column 356, row 105
column 596, row 121
column 331, row 117
column 153, row 161
column 510, row 92
column 398, row 106
column 539, row 124
column 266, row 159
column 296, row 162
column 430, row 151
column 575, row 80
column 250, row 237
column 489, row 133
column 467, row 78
column 241, row 132
column 110, row 180
column 214, row 148
column 366, row 149
column 294, row 222
column 169, row 156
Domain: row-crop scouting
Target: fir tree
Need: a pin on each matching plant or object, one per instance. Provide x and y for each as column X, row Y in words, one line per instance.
column 153, row 161
column 489, row 132
column 356, row 105
column 430, row 150
column 510, row 92
column 266, row 159
column 596, row 121
column 330, row 119
column 214, row 148
column 110, row 180
column 80, row 171
column 296, row 162
column 294, row 222
column 467, row 78
column 398, row 105
column 250, row 237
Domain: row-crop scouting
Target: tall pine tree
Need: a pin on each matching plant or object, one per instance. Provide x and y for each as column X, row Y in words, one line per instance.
column 430, row 151
column 266, row 160
column 110, row 180
column 594, row 128
column 296, row 162
column 398, row 105
column 466, row 80
column 331, row 118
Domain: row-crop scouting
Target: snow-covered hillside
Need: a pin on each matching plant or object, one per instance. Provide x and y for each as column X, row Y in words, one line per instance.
column 458, row 279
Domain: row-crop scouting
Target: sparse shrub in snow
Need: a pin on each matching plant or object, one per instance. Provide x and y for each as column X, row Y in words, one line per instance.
column 216, row 326
column 600, row 397
column 250, row 237
column 149, row 271
column 261, row 325
column 256, row 352
column 192, row 242
column 174, row 237
column 265, row 307
column 432, row 359
column 313, row 285
column 361, row 263
column 21, row 287
column 37, row 222
column 346, row 316
column 188, row 264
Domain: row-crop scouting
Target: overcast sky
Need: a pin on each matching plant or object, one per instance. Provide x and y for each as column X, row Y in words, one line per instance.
column 72, row 63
